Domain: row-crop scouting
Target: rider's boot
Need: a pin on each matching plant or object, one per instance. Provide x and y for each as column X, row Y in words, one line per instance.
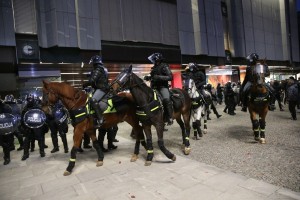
column 244, row 102
column 169, row 110
column 98, row 113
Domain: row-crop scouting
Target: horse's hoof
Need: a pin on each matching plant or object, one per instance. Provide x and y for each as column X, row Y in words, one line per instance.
column 148, row 163
column 187, row 151
column 99, row 163
column 205, row 131
column 67, row 173
column 262, row 140
column 174, row 158
column 134, row 157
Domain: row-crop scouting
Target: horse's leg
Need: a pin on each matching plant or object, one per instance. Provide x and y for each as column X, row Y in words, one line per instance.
column 92, row 134
column 185, row 139
column 139, row 136
column 262, row 124
column 77, row 138
column 255, row 125
column 205, row 121
column 147, row 129
column 159, row 129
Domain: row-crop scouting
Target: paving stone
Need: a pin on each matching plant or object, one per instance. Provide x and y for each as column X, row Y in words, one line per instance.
column 259, row 186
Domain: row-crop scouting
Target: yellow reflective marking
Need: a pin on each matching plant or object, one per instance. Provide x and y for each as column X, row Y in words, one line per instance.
column 109, row 107
column 72, row 160
column 187, row 138
column 154, row 108
column 150, row 151
column 80, row 114
column 256, row 129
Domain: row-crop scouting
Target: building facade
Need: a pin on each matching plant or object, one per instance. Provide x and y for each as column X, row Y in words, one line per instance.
column 54, row 39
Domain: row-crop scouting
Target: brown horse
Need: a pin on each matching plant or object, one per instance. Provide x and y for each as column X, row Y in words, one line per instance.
column 258, row 101
column 76, row 103
column 150, row 111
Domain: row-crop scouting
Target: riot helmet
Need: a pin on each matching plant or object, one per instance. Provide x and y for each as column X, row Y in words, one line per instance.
column 155, row 57
column 9, row 98
column 252, row 58
column 30, row 99
column 208, row 86
column 96, row 60
column 191, row 67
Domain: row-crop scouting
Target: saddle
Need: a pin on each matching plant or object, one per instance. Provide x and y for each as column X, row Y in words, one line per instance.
column 114, row 104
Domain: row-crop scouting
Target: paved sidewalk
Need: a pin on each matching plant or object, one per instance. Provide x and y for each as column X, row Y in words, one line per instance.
column 41, row 178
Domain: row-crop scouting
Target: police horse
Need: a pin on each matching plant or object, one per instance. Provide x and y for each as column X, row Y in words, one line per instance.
column 150, row 111
column 76, row 102
column 258, row 101
column 199, row 108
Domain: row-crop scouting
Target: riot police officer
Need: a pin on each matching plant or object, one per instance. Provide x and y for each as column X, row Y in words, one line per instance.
column 198, row 77
column 31, row 133
column 6, row 141
column 160, row 76
column 252, row 60
column 99, row 81
column 212, row 106
column 57, row 121
column 16, row 111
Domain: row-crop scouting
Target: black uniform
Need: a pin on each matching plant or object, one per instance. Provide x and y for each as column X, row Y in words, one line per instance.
column 99, row 81
column 252, row 59
column 57, row 121
column 16, row 111
column 33, row 133
column 209, row 89
column 229, row 99
column 277, row 93
column 6, row 141
column 160, row 76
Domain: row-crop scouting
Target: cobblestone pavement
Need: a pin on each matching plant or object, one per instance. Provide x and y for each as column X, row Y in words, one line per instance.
column 224, row 164
column 229, row 144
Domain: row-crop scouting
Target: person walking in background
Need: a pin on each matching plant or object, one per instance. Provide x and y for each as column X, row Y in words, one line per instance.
column 292, row 97
column 277, row 93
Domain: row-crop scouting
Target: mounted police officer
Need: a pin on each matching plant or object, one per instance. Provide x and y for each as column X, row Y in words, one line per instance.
column 99, row 81
column 252, row 60
column 31, row 133
column 198, row 77
column 160, row 76
column 6, row 140
column 16, row 111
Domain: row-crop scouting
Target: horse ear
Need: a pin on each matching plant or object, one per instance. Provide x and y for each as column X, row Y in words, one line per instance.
column 45, row 83
column 130, row 69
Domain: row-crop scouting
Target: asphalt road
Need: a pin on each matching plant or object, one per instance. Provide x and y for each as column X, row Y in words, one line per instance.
column 229, row 144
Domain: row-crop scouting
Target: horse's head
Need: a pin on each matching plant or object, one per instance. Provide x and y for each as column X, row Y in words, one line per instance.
column 258, row 73
column 189, row 86
column 121, row 82
column 50, row 97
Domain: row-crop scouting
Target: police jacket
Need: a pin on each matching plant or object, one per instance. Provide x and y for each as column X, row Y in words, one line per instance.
column 4, row 108
column 199, row 79
column 99, row 78
column 160, row 75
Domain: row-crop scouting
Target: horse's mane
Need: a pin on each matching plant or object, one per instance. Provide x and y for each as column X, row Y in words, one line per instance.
column 64, row 89
column 141, row 83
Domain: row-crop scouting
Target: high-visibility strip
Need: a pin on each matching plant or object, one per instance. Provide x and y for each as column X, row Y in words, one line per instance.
column 80, row 114
column 72, row 160
column 255, row 129
column 154, row 108
column 187, row 138
column 149, row 151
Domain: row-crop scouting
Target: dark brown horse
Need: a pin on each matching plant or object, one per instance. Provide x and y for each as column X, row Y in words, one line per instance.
column 76, row 103
column 150, row 111
column 258, row 101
